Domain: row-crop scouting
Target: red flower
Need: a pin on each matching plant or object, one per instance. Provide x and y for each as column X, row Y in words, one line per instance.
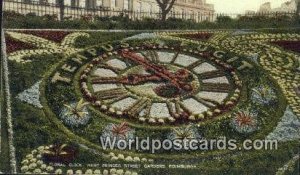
column 13, row 45
column 56, row 36
column 120, row 130
column 244, row 119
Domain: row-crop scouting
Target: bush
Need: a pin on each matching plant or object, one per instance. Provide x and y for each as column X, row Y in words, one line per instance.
column 15, row 20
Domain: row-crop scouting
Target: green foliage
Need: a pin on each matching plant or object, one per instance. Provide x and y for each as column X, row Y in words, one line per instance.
column 101, row 37
column 15, row 20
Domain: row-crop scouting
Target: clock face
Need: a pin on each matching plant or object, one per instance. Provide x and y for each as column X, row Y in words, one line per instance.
column 160, row 85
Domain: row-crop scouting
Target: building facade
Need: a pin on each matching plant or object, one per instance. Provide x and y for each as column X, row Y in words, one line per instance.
column 198, row 10
column 288, row 6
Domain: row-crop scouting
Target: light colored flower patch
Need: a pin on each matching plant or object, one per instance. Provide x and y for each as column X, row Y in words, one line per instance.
column 142, row 36
column 216, row 80
column 204, row 67
column 263, row 94
column 33, row 164
column 216, row 96
column 185, row 60
column 159, row 110
column 165, row 57
column 75, row 114
column 101, row 72
column 43, row 46
column 101, row 87
column 194, row 106
column 117, row 64
column 288, row 128
column 128, row 158
column 124, row 104
column 31, row 95
column 289, row 166
column 242, row 32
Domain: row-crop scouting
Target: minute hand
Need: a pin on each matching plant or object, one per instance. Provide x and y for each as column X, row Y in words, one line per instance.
column 158, row 70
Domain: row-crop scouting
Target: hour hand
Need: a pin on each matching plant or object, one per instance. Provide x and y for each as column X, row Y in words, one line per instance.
column 132, row 79
column 177, row 79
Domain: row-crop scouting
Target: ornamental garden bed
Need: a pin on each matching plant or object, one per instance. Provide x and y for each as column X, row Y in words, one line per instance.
column 70, row 89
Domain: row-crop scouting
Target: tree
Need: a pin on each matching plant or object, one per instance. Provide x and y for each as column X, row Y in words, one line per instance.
column 165, row 6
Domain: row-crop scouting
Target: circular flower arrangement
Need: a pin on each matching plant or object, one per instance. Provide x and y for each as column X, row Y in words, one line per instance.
column 245, row 121
column 160, row 84
column 75, row 114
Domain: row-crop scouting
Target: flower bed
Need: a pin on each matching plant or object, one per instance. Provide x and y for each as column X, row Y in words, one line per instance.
column 158, row 85
column 56, row 36
column 13, row 45
column 289, row 45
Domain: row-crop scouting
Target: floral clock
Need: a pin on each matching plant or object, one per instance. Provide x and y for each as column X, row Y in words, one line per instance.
column 166, row 88
column 160, row 84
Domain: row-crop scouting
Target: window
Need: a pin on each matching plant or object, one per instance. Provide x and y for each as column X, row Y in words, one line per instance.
column 126, row 5
column 73, row 3
column 113, row 3
column 139, row 7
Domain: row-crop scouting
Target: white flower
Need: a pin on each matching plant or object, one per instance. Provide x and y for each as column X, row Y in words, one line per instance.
column 37, row 171
column 34, row 151
column 97, row 172
column 89, row 171
column 32, row 165
column 43, row 166
column 78, row 172
column 121, row 156
column 113, row 171
column 29, row 156
column 41, row 148
column 40, row 162
column 129, row 158
column 39, row 156
column 49, row 169
column 70, row 172
column 58, row 171
column 25, row 162
column 136, row 159
column 105, row 172
column 120, row 172
column 24, row 168
column 127, row 173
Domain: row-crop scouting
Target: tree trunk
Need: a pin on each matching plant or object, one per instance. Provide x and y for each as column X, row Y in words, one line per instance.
column 164, row 15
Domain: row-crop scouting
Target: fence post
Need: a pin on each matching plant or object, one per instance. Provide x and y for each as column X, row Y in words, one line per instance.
column 61, row 9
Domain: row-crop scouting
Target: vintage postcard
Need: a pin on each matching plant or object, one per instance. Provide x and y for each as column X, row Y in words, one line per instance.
column 150, row 87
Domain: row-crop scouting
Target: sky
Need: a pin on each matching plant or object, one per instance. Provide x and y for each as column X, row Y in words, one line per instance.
column 240, row 6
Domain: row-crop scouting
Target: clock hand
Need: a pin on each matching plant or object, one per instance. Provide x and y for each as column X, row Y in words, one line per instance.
column 132, row 79
column 161, row 71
